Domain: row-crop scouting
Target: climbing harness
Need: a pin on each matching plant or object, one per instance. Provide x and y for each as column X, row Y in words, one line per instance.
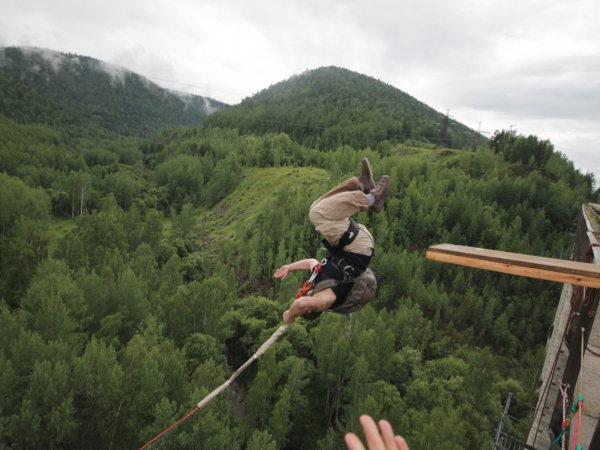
column 335, row 253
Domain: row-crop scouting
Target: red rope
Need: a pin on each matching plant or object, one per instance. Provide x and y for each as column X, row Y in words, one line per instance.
column 592, row 351
column 168, row 430
column 580, row 407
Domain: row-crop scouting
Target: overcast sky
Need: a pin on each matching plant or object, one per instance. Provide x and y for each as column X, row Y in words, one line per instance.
column 530, row 64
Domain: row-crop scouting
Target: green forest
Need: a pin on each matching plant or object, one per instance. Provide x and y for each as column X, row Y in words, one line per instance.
column 330, row 107
column 136, row 276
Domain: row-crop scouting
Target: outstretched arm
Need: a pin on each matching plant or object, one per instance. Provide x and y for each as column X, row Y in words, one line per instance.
column 304, row 264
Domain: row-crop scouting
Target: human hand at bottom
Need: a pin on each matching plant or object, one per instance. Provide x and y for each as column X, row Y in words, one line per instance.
column 384, row 441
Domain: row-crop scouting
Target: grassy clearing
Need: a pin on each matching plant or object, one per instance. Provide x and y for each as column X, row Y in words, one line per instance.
column 250, row 197
column 57, row 228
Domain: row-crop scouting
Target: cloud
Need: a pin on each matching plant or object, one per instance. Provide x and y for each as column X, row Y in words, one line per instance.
column 501, row 62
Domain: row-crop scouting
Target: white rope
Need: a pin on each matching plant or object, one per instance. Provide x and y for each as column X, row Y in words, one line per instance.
column 263, row 348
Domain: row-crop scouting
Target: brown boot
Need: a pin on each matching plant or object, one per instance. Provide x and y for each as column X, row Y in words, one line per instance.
column 380, row 192
column 366, row 176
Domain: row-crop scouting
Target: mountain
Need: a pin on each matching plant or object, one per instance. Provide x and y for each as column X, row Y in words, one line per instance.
column 62, row 90
column 330, row 106
column 136, row 273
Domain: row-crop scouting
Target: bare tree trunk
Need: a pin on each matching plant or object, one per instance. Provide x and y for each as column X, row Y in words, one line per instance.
column 82, row 194
column 85, row 185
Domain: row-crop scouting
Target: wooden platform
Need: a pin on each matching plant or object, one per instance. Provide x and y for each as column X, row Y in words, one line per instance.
column 559, row 270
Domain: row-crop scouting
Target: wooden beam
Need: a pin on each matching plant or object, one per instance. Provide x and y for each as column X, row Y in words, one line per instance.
column 551, row 269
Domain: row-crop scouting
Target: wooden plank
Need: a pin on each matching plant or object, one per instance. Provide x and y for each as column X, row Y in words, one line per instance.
column 551, row 269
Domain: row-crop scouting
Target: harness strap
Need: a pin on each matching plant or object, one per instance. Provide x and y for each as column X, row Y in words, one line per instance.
column 349, row 235
column 344, row 267
column 346, row 239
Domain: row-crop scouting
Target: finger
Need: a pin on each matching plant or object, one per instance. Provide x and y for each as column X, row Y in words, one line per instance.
column 353, row 442
column 401, row 443
column 387, row 434
column 374, row 440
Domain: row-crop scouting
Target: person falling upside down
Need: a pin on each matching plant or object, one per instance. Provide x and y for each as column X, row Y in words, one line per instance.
column 342, row 282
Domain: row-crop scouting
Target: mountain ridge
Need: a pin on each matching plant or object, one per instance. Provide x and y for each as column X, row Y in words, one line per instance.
column 331, row 106
column 115, row 98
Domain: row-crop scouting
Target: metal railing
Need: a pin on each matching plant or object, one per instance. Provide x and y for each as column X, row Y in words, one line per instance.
column 506, row 442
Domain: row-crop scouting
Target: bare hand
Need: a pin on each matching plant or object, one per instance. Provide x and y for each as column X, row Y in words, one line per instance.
column 282, row 272
column 385, row 441
column 287, row 318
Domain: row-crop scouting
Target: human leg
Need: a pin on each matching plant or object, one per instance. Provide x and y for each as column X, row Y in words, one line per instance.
column 330, row 213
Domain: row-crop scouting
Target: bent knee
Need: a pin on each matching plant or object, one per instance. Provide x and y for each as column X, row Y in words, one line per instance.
column 315, row 217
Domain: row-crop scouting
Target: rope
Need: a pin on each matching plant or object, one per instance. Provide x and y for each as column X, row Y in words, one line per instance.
column 577, row 434
column 560, row 436
column 580, row 398
column 565, row 425
column 578, row 406
column 262, row 349
column 160, row 437
column 592, row 351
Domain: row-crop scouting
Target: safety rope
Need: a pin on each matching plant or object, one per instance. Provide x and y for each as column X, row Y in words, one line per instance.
column 563, row 390
column 262, row 349
column 577, row 432
column 577, row 407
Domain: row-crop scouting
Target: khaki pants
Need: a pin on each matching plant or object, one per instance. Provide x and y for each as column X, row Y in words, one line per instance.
column 330, row 215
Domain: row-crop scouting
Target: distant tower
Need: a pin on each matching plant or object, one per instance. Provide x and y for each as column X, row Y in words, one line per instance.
column 444, row 133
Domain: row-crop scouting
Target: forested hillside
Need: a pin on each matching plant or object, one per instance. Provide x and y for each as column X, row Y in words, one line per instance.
column 137, row 274
column 330, row 106
column 62, row 90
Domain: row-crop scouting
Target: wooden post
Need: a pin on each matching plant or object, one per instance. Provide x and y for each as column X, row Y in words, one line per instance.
column 559, row 270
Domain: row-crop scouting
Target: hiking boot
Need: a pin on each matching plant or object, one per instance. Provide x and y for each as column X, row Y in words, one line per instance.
column 366, row 176
column 380, row 192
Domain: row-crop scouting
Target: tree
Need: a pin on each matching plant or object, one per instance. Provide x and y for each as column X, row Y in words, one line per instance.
column 79, row 187
column 97, row 385
column 70, row 250
column 261, row 440
column 280, row 423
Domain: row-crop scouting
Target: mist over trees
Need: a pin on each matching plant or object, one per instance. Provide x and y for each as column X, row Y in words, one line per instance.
column 136, row 274
column 58, row 89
